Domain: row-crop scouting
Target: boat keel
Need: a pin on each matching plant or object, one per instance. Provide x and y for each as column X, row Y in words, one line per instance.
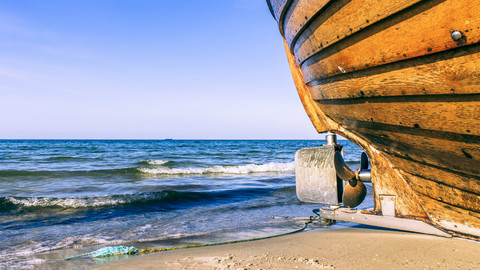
column 386, row 221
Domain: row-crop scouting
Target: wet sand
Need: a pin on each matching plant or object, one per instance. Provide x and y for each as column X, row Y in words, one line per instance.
column 350, row 248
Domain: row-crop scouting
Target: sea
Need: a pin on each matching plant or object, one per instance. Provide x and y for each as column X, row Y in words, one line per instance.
column 60, row 198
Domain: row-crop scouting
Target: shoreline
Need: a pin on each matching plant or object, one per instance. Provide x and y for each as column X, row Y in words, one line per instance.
column 359, row 247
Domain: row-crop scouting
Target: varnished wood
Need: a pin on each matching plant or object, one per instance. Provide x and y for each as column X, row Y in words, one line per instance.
column 399, row 86
column 450, row 72
column 300, row 15
column 311, row 108
column 420, row 110
column 422, row 31
column 387, row 181
column 452, row 156
column 381, row 167
column 277, row 7
column 459, row 180
column 342, row 20
column 446, row 194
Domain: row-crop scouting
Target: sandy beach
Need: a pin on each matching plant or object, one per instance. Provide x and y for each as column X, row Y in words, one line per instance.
column 349, row 248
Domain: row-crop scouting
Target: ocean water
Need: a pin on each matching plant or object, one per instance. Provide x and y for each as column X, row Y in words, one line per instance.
column 60, row 198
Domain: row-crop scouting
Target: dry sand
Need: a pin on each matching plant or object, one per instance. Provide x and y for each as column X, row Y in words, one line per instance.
column 351, row 248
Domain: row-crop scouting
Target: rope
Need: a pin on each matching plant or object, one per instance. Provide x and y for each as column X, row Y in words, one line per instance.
column 124, row 250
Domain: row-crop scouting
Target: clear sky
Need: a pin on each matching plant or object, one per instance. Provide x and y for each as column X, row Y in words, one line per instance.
column 145, row 69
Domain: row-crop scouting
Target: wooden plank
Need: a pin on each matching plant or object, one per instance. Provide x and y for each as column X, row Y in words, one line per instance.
column 451, row 217
column 300, row 13
column 458, row 150
column 342, row 19
column 425, row 33
column 464, row 162
column 440, row 175
column 455, row 164
column 421, row 148
column 277, row 7
column 448, row 113
column 446, row 194
column 317, row 117
column 450, row 72
column 387, row 181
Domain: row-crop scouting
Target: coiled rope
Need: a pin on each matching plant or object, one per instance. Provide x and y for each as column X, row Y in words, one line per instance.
column 124, row 250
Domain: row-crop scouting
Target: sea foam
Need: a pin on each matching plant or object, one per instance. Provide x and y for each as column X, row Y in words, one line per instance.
column 64, row 202
column 241, row 169
column 77, row 202
column 157, row 162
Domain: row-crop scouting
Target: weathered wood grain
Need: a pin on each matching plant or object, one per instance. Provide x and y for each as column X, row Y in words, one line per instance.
column 299, row 15
column 278, row 7
column 387, row 181
column 316, row 116
column 463, row 151
column 459, row 160
column 412, row 111
column 453, row 155
column 450, row 72
column 444, row 176
column 340, row 20
column 451, row 217
column 447, row 194
column 424, row 33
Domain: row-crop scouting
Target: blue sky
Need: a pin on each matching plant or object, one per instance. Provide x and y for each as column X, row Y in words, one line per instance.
column 145, row 69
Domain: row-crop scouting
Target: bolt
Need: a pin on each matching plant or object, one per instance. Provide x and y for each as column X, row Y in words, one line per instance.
column 456, row 35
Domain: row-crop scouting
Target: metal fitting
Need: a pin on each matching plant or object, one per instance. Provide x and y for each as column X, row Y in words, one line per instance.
column 457, row 35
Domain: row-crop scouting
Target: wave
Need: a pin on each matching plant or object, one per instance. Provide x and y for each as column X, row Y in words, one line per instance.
column 154, row 162
column 61, row 202
column 240, row 169
column 158, row 168
column 165, row 167
column 165, row 198
column 81, row 202
column 51, row 173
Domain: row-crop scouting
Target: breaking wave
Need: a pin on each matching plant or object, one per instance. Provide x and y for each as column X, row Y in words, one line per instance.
column 78, row 202
column 154, row 162
column 156, row 167
column 157, row 162
column 240, row 169
column 158, row 198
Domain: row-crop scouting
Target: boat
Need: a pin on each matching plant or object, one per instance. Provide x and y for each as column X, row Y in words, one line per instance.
column 401, row 79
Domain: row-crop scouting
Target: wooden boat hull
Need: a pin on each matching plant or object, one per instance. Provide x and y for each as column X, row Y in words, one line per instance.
column 388, row 75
